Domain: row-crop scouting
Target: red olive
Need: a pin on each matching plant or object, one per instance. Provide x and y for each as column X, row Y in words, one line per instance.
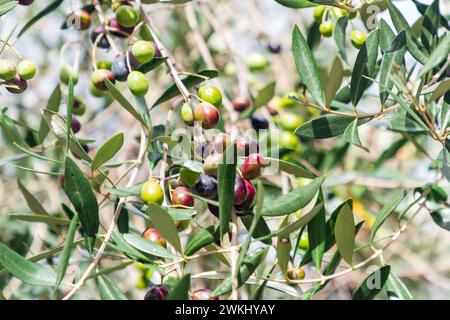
column 154, row 235
column 181, row 197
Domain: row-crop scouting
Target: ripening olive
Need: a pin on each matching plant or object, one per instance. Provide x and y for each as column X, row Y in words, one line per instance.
column 16, row 85
column 240, row 190
column 250, row 199
column 99, row 76
column 152, row 192
column 246, row 146
column 26, row 69
column 207, row 114
column 210, row 94
column 211, row 164
column 154, row 236
column 251, row 168
column 99, row 33
column 79, row 19
column 203, row 294
column 241, row 103
column 118, row 30
column 181, row 197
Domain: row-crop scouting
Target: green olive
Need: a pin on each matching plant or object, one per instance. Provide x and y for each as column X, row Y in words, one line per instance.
column 358, row 38
column 290, row 121
column 152, row 192
column 7, row 69
column 66, row 73
column 326, row 28
column 127, row 16
column 318, row 13
column 26, row 69
column 211, row 94
column 187, row 114
column 137, row 83
column 143, row 51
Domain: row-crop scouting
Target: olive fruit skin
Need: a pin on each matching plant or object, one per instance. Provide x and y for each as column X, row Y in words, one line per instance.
column 26, row 69
column 137, row 83
column 250, row 199
column 210, row 94
column 251, row 168
column 207, row 114
column 104, row 64
column 326, row 28
column 181, row 197
column 152, row 192
column 206, row 187
column 75, row 125
column 257, row 62
column 203, row 294
column 154, row 236
column 25, row 2
column 120, row 69
column 67, row 72
column 246, row 146
column 259, row 122
column 358, row 38
column 99, row 76
column 318, row 13
column 290, row 121
column 99, row 31
column 241, row 103
column 8, row 69
column 119, row 30
column 211, row 164
column 187, row 114
column 240, row 190
column 79, row 19
column 127, row 16
column 296, row 274
column 143, row 51
column 274, row 48
column 79, row 107
column 157, row 292
column 214, row 210
column 19, row 83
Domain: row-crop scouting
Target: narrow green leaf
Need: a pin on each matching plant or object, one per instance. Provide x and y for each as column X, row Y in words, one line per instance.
column 149, row 66
column 351, row 135
column 9, row 129
column 396, row 289
column 306, row 66
column 67, row 251
column 108, row 290
column 147, row 246
column 327, row 126
column 181, row 290
column 335, row 77
column 344, row 231
column 440, row 53
column 386, row 36
column 296, row 4
column 290, row 168
column 79, row 191
column 204, row 238
column 107, row 151
column 164, row 223
column 31, row 201
column 294, row 200
column 29, row 272
column 339, row 36
column 385, row 212
column 51, row 221
column 6, row 7
column 317, row 235
column 52, row 105
column 225, row 182
column 265, row 94
column 373, row 284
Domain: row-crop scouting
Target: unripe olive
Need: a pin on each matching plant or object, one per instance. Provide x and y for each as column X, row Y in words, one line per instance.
column 351, row 15
column 296, row 274
column 304, row 242
column 97, row 92
column 187, row 114
column 326, row 28
column 154, row 236
column 318, row 13
column 358, row 38
column 203, row 294
column 288, row 140
column 157, row 292
column 152, row 192
column 145, row 33
column 257, row 62
column 143, row 51
column 181, row 197
column 207, row 114
column 99, row 76
column 7, row 69
column 211, row 164
column 104, row 64
column 241, row 103
column 68, row 72
column 210, row 94
column 26, row 69
column 290, row 121
column 16, row 85
column 137, row 83
column 127, row 16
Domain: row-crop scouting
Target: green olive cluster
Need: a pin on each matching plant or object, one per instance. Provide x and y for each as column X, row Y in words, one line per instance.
column 15, row 76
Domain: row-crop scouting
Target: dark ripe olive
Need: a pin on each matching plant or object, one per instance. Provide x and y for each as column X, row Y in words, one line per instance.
column 206, row 187
column 120, row 67
column 240, row 190
column 18, row 85
column 241, row 103
column 75, row 125
column 119, row 30
column 259, row 122
column 157, row 292
column 214, row 210
column 274, row 48
column 251, row 192
column 99, row 31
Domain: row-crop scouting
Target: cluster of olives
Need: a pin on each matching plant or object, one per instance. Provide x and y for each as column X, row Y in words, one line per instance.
column 15, row 76
column 124, row 66
column 323, row 15
column 161, row 291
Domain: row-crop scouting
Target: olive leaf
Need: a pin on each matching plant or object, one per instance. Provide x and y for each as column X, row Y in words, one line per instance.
column 107, row 151
column 373, row 284
column 344, row 231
